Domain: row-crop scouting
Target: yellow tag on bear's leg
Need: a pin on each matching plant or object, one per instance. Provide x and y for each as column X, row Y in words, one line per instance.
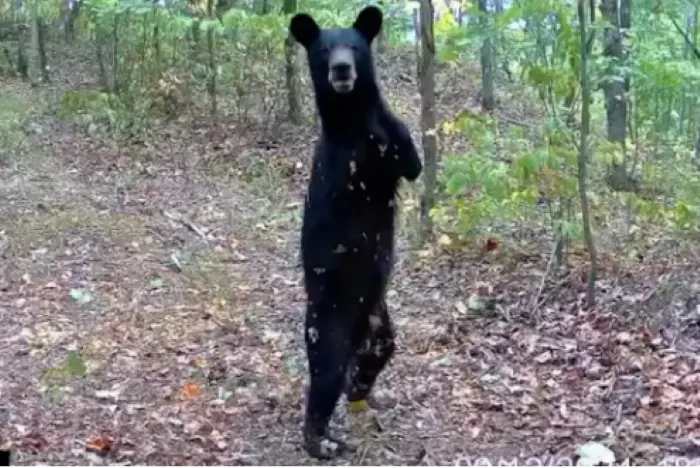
column 358, row 406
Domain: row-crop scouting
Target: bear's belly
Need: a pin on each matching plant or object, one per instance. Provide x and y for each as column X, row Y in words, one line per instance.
column 348, row 243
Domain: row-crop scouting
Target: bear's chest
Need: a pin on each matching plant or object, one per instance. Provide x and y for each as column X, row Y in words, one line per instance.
column 373, row 169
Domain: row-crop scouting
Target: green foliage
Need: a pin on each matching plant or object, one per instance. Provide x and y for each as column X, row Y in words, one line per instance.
column 72, row 365
column 75, row 365
column 90, row 109
column 496, row 185
column 158, row 62
column 13, row 114
column 82, row 101
column 480, row 190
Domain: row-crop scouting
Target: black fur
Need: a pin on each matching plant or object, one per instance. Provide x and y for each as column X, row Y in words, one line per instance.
column 347, row 239
column 4, row 458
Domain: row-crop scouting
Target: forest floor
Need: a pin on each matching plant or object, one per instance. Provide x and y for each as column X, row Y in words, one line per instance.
column 151, row 311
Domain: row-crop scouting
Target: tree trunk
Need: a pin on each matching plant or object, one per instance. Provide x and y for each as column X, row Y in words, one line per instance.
column 381, row 38
column 71, row 16
column 616, row 90
column 211, row 85
column 695, row 47
column 291, row 72
column 417, row 33
column 22, row 59
column 488, row 100
column 428, row 120
column 103, row 79
column 687, row 54
column 100, row 55
column 33, row 52
column 696, row 13
column 156, row 37
column 584, row 153
column 41, row 49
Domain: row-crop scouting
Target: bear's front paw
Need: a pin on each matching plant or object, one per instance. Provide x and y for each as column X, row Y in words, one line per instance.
column 411, row 165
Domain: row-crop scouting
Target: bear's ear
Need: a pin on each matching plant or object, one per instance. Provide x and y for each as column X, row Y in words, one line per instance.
column 369, row 22
column 304, row 29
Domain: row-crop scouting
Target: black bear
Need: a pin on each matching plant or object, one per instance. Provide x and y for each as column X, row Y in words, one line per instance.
column 347, row 236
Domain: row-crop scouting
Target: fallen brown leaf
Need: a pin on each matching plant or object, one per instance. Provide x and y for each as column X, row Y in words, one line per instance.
column 98, row 444
column 191, row 390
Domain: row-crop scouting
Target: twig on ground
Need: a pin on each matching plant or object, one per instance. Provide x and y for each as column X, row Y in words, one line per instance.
column 513, row 121
column 187, row 223
column 535, row 302
column 364, row 453
column 686, row 446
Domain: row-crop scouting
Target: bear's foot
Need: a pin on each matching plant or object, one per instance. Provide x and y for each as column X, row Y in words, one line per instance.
column 375, row 402
column 324, row 446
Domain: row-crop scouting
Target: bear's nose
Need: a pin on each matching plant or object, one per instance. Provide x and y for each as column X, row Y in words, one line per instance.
column 341, row 70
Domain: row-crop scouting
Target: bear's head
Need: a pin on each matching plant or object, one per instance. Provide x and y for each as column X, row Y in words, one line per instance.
column 340, row 59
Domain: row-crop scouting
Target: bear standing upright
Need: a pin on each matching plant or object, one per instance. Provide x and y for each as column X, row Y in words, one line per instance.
column 347, row 238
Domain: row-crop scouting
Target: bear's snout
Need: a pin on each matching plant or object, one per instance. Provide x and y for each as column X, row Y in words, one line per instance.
column 341, row 70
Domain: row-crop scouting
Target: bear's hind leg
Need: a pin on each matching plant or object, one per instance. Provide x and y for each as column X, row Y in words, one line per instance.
column 329, row 348
column 371, row 360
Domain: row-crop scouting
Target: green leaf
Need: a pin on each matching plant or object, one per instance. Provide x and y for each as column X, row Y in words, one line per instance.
column 75, row 364
column 224, row 394
column 156, row 282
column 440, row 362
column 292, row 366
column 80, row 295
